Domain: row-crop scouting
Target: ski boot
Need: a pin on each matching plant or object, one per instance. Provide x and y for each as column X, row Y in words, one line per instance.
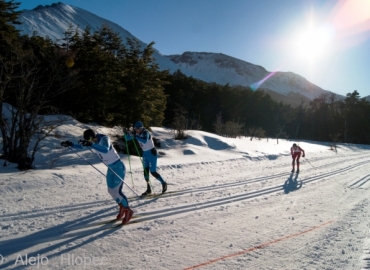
column 164, row 187
column 292, row 171
column 121, row 211
column 148, row 191
column 128, row 215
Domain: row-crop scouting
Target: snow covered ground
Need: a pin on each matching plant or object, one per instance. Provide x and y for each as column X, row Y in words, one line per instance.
column 236, row 206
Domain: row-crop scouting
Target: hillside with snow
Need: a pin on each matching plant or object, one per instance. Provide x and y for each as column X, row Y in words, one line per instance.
column 231, row 203
column 224, row 69
column 54, row 20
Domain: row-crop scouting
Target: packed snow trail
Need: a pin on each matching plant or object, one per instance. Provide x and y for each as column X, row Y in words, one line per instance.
column 213, row 209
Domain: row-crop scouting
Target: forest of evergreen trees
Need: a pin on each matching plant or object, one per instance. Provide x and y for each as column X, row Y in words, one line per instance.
column 97, row 77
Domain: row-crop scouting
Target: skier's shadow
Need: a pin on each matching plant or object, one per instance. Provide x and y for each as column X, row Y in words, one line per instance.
column 292, row 183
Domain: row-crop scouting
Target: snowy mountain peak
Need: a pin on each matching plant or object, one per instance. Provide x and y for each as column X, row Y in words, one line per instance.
column 53, row 20
column 58, row 5
column 224, row 69
column 219, row 59
column 221, row 67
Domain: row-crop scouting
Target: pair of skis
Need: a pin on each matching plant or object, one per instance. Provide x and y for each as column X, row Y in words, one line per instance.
column 153, row 196
column 112, row 223
column 104, row 225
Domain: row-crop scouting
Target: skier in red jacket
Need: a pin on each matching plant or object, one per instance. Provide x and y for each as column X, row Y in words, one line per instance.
column 296, row 151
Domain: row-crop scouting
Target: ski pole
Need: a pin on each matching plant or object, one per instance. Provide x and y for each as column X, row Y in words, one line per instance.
column 114, row 172
column 309, row 163
column 129, row 163
column 100, row 170
column 86, row 161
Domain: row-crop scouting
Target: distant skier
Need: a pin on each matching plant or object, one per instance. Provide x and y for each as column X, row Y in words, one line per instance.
column 296, row 151
column 150, row 155
column 102, row 145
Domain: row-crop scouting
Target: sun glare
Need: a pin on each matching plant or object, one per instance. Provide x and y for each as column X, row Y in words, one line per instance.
column 312, row 44
column 347, row 24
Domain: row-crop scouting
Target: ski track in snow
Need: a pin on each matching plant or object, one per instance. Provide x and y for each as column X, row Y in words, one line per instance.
column 260, row 200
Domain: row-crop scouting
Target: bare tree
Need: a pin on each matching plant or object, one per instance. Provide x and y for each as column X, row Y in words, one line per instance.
column 250, row 132
column 233, row 129
column 34, row 80
column 179, row 124
column 218, row 125
column 335, row 138
column 260, row 133
column 286, row 118
column 280, row 131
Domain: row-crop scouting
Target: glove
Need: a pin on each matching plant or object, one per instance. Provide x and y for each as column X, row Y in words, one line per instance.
column 128, row 136
column 128, row 131
column 66, row 143
column 303, row 155
column 85, row 143
column 154, row 151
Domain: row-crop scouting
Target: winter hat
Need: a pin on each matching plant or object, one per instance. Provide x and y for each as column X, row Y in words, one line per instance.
column 89, row 134
column 138, row 124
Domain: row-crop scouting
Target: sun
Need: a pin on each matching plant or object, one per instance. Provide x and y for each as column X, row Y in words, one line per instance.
column 312, row 44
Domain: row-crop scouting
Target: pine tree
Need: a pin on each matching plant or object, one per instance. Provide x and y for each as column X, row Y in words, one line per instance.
column 9, row 41
column 9, row 37
column 98, row 69
column 144, row 98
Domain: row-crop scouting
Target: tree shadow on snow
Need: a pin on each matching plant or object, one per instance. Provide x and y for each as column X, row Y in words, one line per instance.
column 292, row 183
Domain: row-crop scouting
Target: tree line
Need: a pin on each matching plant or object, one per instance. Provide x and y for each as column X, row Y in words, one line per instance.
column 95, row 76
column 239, row 111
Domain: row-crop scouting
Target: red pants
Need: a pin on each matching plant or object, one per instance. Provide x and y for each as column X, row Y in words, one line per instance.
column 296, row 156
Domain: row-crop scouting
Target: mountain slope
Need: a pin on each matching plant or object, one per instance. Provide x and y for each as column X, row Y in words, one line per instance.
column 224, row 69
column 54, row 20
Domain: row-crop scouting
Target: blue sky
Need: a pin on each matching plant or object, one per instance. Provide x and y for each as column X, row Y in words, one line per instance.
column 325, row 41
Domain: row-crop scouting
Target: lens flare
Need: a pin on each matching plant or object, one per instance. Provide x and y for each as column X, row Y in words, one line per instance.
column 351, row 19
column 256, row 85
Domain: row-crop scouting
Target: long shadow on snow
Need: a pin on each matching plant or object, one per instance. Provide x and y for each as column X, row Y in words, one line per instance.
column 292, row 184
column 14, row 247
column 22, row 215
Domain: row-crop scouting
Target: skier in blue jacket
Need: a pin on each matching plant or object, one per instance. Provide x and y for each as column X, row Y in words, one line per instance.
column 150, row 155
column 116, row 169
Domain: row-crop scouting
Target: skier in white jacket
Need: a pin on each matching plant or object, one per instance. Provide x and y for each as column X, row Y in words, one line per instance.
column 116, row 169
column 150, row 155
